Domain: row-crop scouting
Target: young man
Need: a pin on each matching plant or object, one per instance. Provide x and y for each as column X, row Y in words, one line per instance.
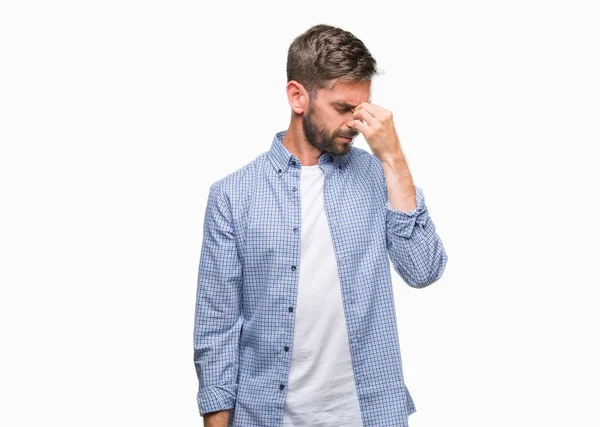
column 295, row 320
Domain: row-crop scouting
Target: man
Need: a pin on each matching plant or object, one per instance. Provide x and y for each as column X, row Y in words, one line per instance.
column 295, row 320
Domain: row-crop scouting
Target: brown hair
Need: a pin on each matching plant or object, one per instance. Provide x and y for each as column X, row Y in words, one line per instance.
column 323, row 53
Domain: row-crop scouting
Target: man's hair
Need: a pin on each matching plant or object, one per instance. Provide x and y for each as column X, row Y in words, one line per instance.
column 324, row 53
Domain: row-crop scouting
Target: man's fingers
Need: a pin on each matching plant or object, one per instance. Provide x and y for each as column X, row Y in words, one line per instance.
column 366, row 116
column 374, row 110
column 359, row 126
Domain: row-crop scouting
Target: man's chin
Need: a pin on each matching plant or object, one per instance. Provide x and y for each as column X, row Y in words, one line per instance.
column 345, row 148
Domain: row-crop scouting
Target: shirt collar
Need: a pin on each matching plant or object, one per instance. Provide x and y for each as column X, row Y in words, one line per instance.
column 281, row 157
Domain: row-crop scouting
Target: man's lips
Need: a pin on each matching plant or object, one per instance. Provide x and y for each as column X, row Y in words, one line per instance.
column 346, row 138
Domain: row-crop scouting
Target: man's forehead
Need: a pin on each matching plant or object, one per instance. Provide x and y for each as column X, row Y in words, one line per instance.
column 349, row 94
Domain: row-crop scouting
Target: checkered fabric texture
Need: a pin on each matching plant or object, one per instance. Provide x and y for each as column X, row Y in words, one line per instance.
column 248, row 282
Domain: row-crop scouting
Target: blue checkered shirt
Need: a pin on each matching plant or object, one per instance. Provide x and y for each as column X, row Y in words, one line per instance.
column 248, row 283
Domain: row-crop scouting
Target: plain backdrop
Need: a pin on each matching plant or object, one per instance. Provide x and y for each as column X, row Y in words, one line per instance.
column 117, row 116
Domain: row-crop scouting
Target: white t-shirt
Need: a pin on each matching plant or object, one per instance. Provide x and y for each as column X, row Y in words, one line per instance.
column 321, row 385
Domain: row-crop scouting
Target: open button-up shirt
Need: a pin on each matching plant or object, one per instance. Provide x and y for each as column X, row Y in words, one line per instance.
column 248, row 283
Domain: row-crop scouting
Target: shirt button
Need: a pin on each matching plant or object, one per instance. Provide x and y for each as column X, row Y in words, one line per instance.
column 294, row 162
column 280, row 386
column 293, row 268
column 279, row 171
column 286, row 348
column 295, row 229
column 293, row 188
column 290, row 309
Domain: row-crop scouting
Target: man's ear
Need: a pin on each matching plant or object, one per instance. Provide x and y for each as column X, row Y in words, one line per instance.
column 297, row 96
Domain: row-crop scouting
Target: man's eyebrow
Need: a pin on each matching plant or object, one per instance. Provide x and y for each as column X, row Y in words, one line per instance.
column 345, row 104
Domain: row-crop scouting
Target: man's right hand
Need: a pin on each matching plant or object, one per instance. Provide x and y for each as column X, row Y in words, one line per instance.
column 216, row 419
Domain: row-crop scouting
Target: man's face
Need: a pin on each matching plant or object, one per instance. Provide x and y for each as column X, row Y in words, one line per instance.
column 329, row 116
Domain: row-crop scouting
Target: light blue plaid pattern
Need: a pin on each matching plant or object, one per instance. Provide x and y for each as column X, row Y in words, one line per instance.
column 248, row 283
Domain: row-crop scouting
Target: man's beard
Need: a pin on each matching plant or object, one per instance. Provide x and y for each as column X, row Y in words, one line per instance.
column 320, row 138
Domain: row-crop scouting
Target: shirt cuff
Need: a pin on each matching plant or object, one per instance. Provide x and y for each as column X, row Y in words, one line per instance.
column 216, row 398
column 403, row 223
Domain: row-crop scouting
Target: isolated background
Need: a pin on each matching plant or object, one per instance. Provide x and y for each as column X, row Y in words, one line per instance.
column 116, row 116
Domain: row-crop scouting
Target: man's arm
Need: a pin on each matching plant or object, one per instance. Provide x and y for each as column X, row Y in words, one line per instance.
column 218, row 316
column 216, row 419
column 415, row 249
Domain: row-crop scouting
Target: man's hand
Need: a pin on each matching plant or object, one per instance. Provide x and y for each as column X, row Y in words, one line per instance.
column 380, row 133
column 216, row 419
column 378, row 129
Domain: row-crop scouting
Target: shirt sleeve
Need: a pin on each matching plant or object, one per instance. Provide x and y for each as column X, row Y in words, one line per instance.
column 218, row 316
column 414, row 247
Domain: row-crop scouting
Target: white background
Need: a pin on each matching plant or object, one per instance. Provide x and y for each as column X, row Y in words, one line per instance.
column 116, row 116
